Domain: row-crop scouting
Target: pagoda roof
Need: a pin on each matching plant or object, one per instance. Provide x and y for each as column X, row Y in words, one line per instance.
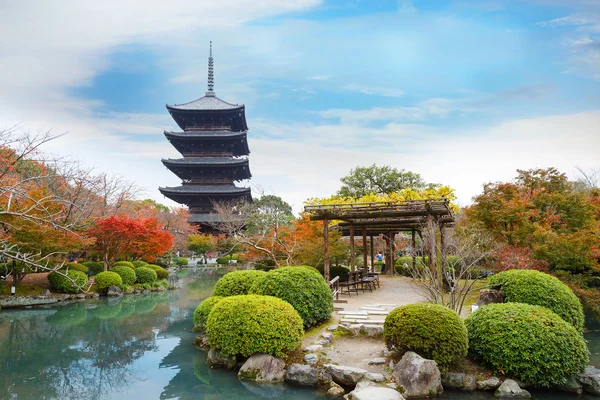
column 197, row 218
column 205, row 134
column 205, row 161
column 205, row 189
column 210, row 102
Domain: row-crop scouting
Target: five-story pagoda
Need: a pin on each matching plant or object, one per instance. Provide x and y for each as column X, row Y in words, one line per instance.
column 214, row 147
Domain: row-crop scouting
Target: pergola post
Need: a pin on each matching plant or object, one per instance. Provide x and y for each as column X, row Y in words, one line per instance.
column 391, row 236
column 364, row 242
column 352, row 266
column 372, row 256
column 414, row 251
column 326, row 249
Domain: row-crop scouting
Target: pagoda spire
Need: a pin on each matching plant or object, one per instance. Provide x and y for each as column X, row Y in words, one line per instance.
column 211, row 76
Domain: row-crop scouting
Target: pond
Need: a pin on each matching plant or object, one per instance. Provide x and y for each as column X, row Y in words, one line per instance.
column 136, row 346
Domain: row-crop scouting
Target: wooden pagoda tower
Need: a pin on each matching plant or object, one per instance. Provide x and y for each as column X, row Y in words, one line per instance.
column 214, row 146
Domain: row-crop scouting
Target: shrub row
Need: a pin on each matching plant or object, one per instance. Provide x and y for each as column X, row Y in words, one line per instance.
column 71, row 281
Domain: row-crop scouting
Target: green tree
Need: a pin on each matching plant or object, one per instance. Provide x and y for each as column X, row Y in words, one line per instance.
column 201, row 244
column 379, row 180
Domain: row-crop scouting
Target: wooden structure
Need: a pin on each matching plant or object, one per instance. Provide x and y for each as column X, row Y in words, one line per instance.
column 381, row 218
column 214, row 147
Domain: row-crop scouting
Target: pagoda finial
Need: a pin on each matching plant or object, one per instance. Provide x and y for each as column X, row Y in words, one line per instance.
column 211, row 76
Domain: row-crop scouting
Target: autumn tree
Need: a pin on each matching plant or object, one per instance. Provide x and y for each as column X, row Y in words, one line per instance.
column 309, row 240
column 379, row 180
column 201, row 244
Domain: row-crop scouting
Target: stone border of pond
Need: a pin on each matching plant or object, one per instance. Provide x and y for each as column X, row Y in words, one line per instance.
column 412, row 377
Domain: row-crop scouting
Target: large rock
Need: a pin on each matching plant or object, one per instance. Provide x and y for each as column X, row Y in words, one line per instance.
column 311, row 358
column 590, row 379
column 489, row 296
column 374, row 392
column 571, row 386
column 262, row 368
column 511, row 390
column 418, row 376
column 345, row 376
column 302, row 375
column 459, row 380
column 372, row 330
column 488, row 384
column 335, row 390
column 217, row 360
column 114, row 291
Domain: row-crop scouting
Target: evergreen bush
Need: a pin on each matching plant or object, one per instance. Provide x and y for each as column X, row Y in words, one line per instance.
column 76, row 267
column 237, row 282
column 145, row 275
column 203, row 309
column 180, row 261
column 528, row 342
column 540, row 289
column 123, row 264
column 73, row 282
column 161, row 273
column 263, row 267
column 127, row 274
column 336, row 270
column 430, row 330
column 249, row 324
column 104, row 280
column 94, row 267
column 139, row 263
column 304, row 288
column 223, row 260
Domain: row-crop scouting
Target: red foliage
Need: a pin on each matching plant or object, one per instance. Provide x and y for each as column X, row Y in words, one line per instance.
column 509, row 257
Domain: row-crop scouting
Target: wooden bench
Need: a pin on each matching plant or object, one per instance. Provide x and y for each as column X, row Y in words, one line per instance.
column 366, row 280
column 351, row 283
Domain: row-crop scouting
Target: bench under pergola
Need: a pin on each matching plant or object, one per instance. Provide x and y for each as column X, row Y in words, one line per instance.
column 380, row 218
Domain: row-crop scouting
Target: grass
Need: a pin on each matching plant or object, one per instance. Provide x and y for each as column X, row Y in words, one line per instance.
column 23, row 290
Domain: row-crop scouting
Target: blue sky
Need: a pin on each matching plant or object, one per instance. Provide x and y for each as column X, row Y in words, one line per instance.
column 462, row 91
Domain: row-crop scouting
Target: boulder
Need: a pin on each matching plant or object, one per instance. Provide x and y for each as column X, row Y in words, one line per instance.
column 302, row 375
column 590, row 380
column 571, row 386
column 374, row 377
column 345, row 376
column 363, row 383
column 311, row 358
column 323, row 342
column 458, row 380
column 335, row 390
column 313, row 348
column 324, row 378
column 488, row 296
column 377, row 361
column 488, row 384
column 327, row 336
column 217, row 360
column 114, row 291
column 262, row 368
column 419, row 377
column 332, row 328
column 374, row 392
column 372, row 330
column 46, row 293
column 80, row 296
column 511, row 390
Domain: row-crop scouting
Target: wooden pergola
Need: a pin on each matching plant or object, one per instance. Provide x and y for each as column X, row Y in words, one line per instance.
column 381, row 218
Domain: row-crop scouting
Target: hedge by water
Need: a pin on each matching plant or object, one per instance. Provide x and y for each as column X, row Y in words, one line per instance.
column 145, row 275
column 127, row 274
column 235, row 283
column 123, row 264
column 528, row 342
column 201, row 312
column 304, row 288
column 430, row 330
column 161, row 273
column 73, row 282
column 249, row 324
column 104, row 280
column 540, row 289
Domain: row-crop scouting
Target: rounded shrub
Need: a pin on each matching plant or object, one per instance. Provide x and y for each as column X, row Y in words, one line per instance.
column 161, row 273
column 145, row 275
column 94, row 267
column 236, row 283
column 540, row 289
column 249, row 324
column 528, row 342
column 139, row 263
column 70, row 281
column 104, row 280
column 76, row 267
column 127, row 274
column 203, row 309
column 263, row 267
column 122, row 264
column 223, row 260
column 335, row 270
column 430, row 330
column 180, row 261
column 304, row 288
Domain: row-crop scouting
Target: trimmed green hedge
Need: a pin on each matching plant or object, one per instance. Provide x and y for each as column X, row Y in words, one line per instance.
column 127, row 274
column 94, row 267
column 540, row 289
column 123, row 264
column 430, row 330
column 145, row 275
column 76, row 267
column 236, row 283
column 249, row 324
column 304, row 288
column 73, row 282
column 104, row 280
column 161, row 273
column 139, row 263
column 528, row 342
column 223, row 260
column 180, row 261
column 336, row 270
column 201, row 312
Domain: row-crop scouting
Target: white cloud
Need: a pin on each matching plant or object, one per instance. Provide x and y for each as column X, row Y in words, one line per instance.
column 374, row 90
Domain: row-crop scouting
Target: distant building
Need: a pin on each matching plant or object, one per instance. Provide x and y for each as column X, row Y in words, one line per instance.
column 214, row 147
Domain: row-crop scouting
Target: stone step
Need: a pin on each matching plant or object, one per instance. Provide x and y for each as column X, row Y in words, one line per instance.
column 373, row 309
column 377, row 312
column 388, row 305
column 352, row 312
